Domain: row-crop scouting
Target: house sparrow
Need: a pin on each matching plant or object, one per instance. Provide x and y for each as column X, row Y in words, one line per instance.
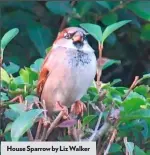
column 67, row 72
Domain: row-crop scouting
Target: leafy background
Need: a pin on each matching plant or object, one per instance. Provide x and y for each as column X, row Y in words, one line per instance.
column 128, row 47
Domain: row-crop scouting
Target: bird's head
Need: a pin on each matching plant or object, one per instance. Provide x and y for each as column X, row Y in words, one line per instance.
column 73, row 38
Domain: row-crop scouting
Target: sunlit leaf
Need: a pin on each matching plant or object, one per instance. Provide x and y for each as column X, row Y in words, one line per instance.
column 132, row 104
column 112, row 28
column 19, row 108
column 28, row 75
column 36, row 66
column 11, row 68
column 94, row 30
column 4, row 75
column 12, row 115
column 23, row 123
column 8, row 37
column 3, row 96
column 8, row 127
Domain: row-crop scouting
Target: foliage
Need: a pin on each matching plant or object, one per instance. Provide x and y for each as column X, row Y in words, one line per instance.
column 29, row 30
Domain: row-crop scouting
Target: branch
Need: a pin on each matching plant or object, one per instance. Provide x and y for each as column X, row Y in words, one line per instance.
column 64, row 21
column 118, row 7
column 92, row 138
column 111, row 141
column 54, row 124
column 135, row 82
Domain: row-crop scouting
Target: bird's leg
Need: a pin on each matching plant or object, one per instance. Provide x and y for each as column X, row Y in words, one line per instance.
column 17, row 98
column 78, row 108
column 60, row 107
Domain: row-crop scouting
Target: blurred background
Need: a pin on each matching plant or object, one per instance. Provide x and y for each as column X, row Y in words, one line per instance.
column 40, row 21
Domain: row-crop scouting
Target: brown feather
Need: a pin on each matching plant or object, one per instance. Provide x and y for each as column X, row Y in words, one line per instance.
column 43, row 76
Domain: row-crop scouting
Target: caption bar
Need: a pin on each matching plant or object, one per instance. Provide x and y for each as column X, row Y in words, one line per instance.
column 48, row 148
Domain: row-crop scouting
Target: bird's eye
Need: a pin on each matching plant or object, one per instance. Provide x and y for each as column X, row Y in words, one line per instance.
column 67, row 35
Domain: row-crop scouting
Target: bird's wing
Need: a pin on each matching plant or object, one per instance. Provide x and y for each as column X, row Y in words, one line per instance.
column 52, row 59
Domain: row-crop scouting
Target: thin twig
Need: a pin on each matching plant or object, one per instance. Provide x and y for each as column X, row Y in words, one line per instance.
column 54, row 124
column 30, row 136
column 111, row 141
column 125, row 141
column 38, row 130
column 44, row 133
column 118, row 7
column 65, row 18
column 92, row 138
column 45, row 121
column 135, row 82
column 99, row 69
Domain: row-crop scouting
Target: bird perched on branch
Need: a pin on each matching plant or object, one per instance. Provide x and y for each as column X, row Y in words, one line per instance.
column 67, row 72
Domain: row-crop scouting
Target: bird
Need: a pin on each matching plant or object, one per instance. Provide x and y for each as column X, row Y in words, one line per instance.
column 67, row 71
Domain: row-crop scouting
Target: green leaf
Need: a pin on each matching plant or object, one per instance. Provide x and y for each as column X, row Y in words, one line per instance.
column 138, row 151
column 142, row 90
column 134, row 95
column 94, row 30
column 88, row 119
column 37, row 65
column 132, row 104
column 23, row 123
column 145, row 32
column 3, row 96
column 138, row 114
column 4, row 76
column 59, row 7
column 104, row 4
column 85, row 98
column 110, row 18
column 11, row 68
column 115, row 148
column 19, row 107
column 28, row 75
column 140, row 9
column 32, row 98
column 148, row 152
column 145, row 76
column 41, row 36
column 112, row 28
column 115, row 81
column 83, row 7
column 18, row 80
column 109, row 63
column 8, row 37
column 12, row 115
column 8, row 127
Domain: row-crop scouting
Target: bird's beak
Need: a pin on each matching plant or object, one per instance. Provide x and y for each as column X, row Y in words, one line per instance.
column 77, row 38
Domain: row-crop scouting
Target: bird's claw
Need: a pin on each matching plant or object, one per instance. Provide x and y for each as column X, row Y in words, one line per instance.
column 78, row 108
column 60, row 107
